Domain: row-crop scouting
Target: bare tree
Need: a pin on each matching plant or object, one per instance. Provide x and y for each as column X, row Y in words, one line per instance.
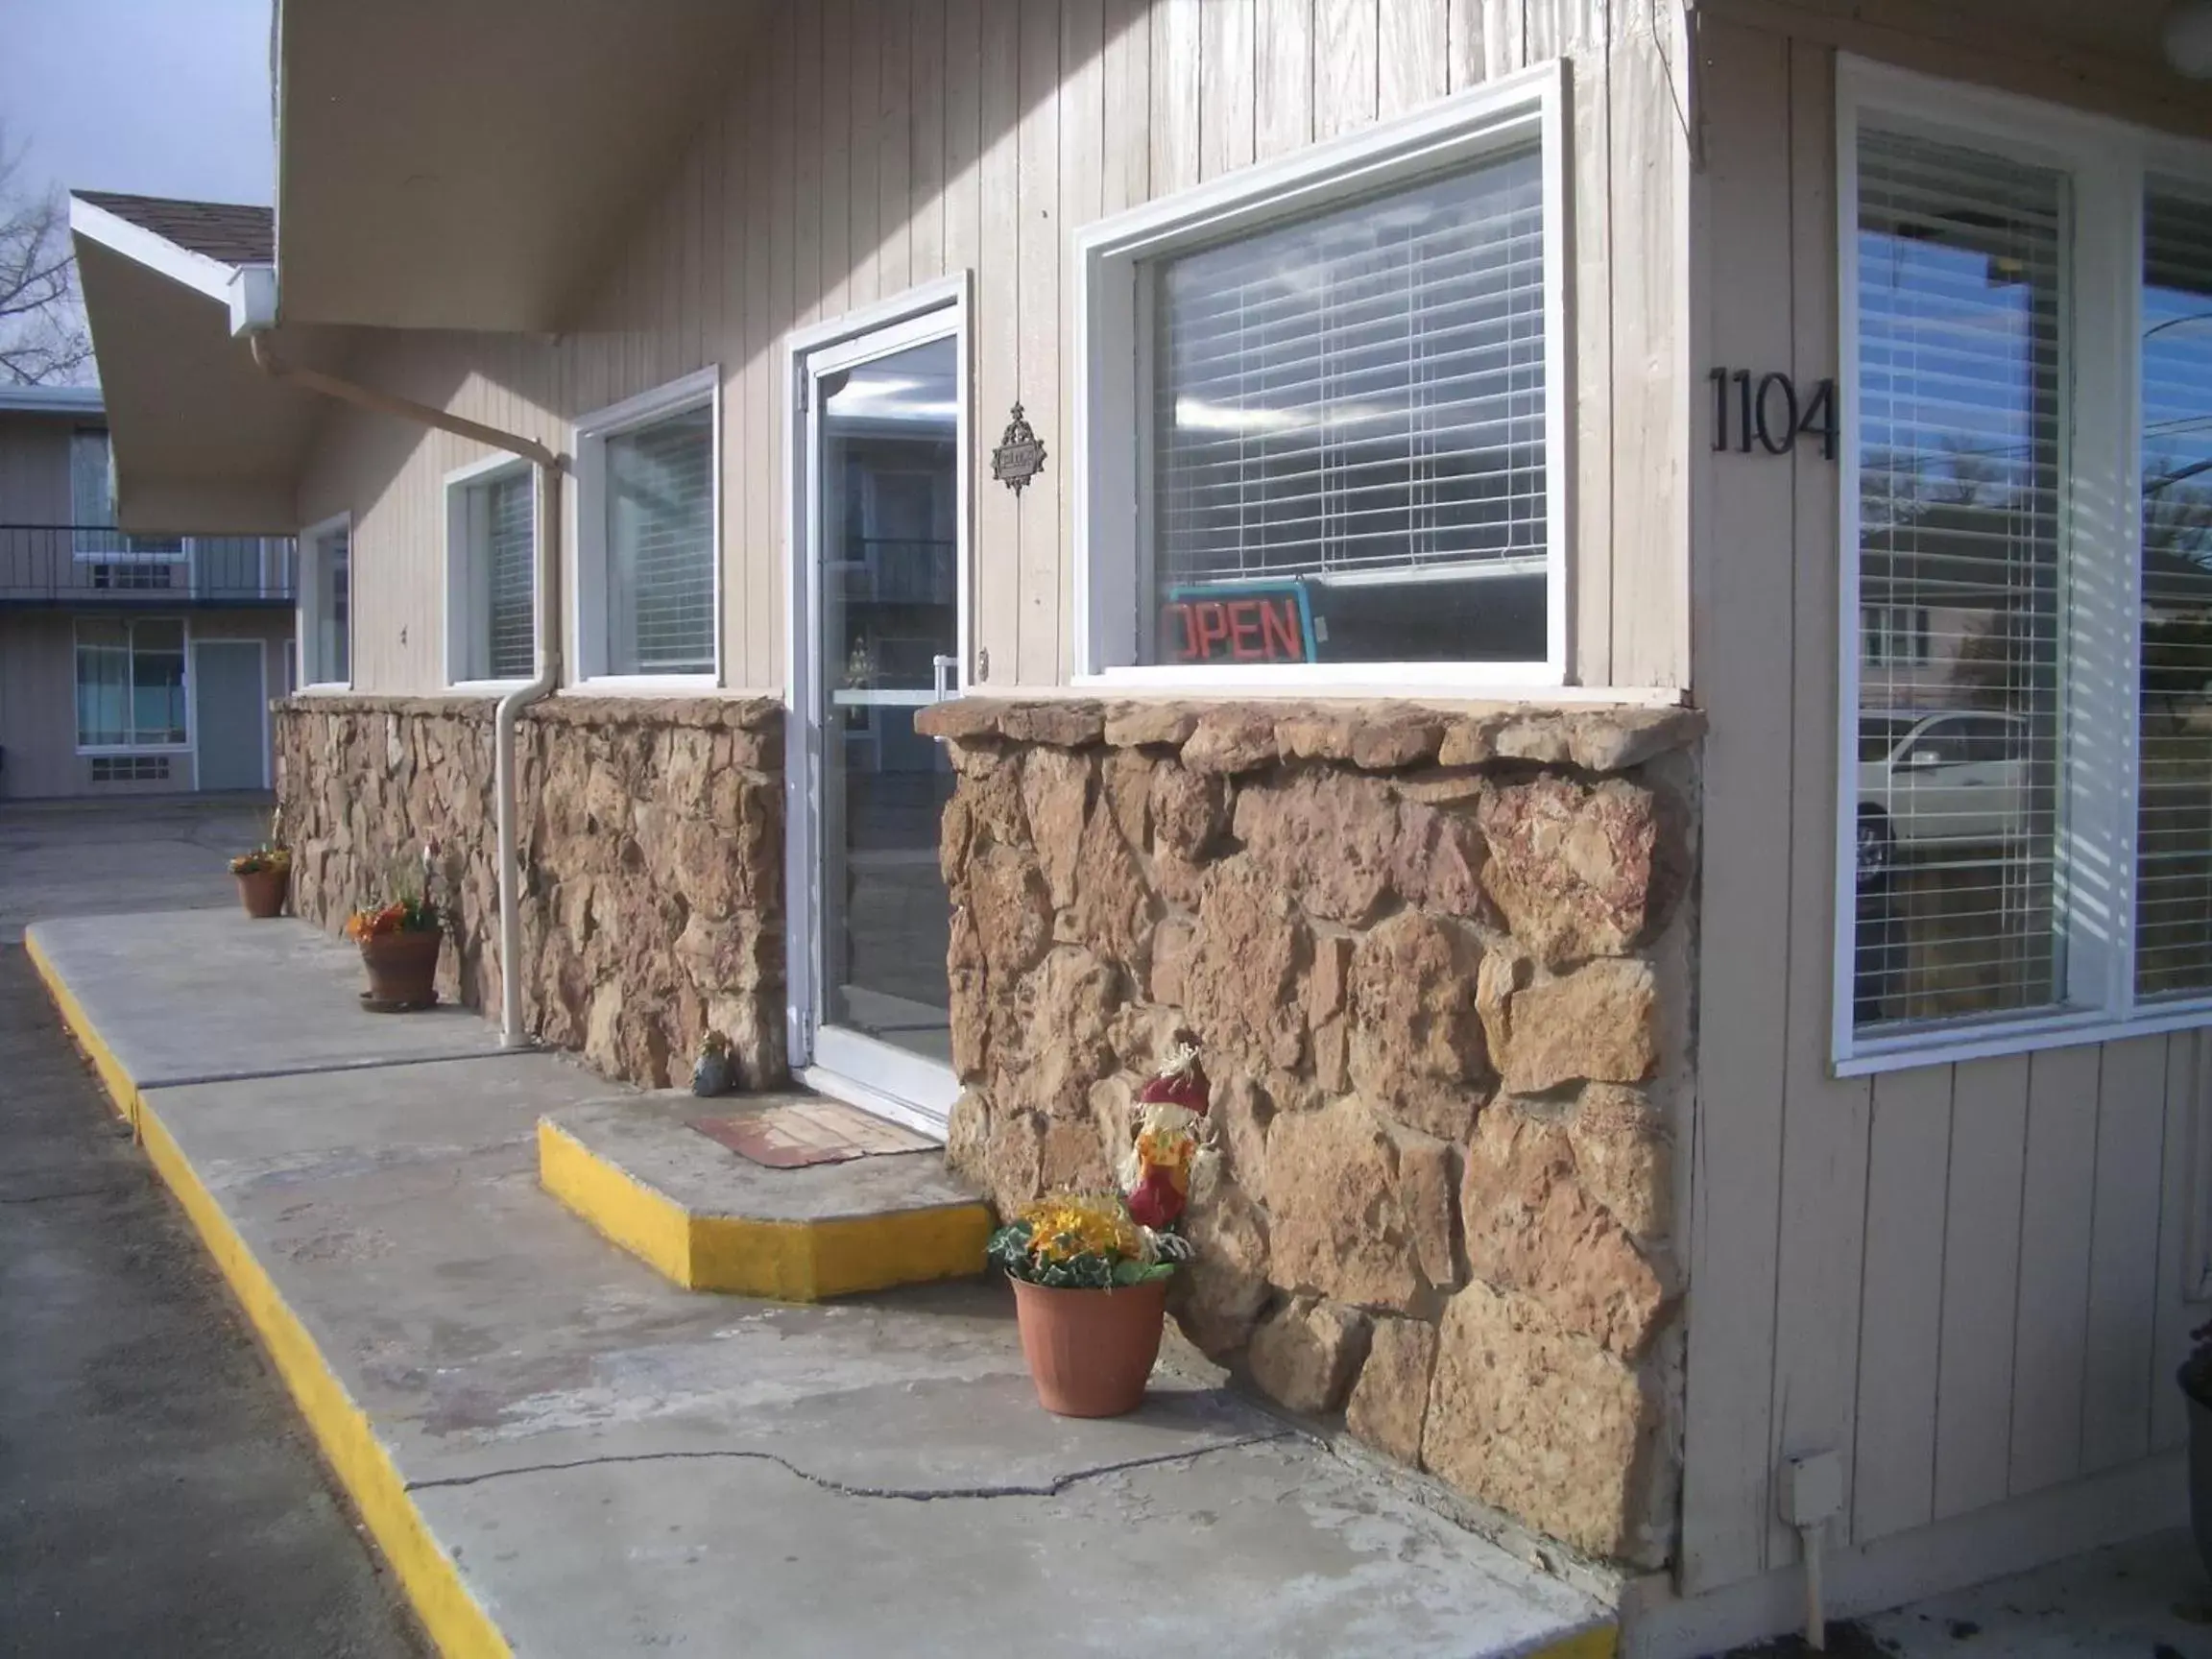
column 42, row 334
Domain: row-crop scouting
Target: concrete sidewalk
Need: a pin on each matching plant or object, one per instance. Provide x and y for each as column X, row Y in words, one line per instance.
column 562, row 1454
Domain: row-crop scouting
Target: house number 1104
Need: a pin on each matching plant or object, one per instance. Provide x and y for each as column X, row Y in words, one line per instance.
column 1769, row 412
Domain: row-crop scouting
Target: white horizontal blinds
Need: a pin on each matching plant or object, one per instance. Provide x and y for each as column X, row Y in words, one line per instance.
column 508, row 577
column 661, row 546
column 2174, row 838
column 1356, row 401
column 1961, row 358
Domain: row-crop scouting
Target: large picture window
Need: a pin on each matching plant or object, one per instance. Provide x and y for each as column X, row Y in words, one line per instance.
column 1322, row 423
column 646, row 588
column 130, row 683
column 2027, row 773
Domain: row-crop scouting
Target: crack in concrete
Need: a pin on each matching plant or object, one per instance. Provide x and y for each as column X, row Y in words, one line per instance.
column 847, row 1489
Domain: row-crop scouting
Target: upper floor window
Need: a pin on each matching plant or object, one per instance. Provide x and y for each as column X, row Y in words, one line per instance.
column 1323, row 427
column 326, row 602
column 646, row 557
column 2028, row 815
column 92, row 510
column 490, row 572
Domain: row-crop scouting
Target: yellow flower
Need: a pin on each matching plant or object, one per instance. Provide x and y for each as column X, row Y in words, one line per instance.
column 1066, row 1225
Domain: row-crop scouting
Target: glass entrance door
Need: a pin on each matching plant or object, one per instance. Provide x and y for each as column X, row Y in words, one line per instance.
column 883, row 640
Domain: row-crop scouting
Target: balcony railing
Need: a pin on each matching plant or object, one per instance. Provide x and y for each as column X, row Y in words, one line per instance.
column 77, row 565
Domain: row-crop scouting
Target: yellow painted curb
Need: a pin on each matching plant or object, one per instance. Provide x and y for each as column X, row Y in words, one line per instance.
column 785, row 1261
column 449, row 1613
column 1598, row 1641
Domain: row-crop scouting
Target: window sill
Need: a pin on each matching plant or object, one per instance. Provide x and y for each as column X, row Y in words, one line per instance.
column 324, row 688
column 1512, row 684
column 2028, row 1036
column 105, row 751
column 645, row 685
column 484, row 687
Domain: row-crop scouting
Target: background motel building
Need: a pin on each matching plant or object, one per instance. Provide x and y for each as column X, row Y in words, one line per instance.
column 1611, row 602
column 128, row 663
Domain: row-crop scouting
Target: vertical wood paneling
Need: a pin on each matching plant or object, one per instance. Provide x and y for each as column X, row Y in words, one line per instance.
column 2184, row 1120
column 2124, row 1254
column 1981, row 1268
column 769, row 555
column 1651, row 402
column 1467, row 56
column 1346, row 87
column 925, row 184
column 1908, row 1173
column 1591, row 312
column 861, row 64
column 1283, row 76
column 1177, row 29
column 1037, row 315
column 1747, row 597
column 2057, row 1200
column 1082, row 138
column 802, row 119
column 1125, row 158
column 1504, row 37
column 897, row 143
column 1412, row 55
column 998, row 605
column 1826, row 1122
column 1225, row 88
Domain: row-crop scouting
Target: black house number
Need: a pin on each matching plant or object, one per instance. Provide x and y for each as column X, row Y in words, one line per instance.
column 1769, row 411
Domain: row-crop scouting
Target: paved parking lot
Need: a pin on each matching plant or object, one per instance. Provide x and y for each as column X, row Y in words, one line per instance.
column 158, row 1495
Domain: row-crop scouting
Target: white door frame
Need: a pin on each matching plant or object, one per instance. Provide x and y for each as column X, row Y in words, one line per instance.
column 874, row 1074
column 192, row 644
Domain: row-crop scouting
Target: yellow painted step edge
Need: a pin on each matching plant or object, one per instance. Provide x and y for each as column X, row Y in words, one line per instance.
column 1598, row 1642
column 448, row 1612
column 789, row 1260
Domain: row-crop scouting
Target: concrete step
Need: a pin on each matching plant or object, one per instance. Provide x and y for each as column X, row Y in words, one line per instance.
column 643, row 1173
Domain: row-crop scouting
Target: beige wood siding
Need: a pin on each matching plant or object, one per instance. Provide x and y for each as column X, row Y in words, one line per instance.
column 871, row 145
column 1970, row 1280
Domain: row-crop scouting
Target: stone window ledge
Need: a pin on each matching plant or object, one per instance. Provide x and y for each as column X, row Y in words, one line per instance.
column 1246, row 735
column 711, row 714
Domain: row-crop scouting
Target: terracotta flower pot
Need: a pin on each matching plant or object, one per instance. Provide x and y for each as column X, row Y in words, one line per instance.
column 402, row 968
column 262, row 891
column 1090, row 1352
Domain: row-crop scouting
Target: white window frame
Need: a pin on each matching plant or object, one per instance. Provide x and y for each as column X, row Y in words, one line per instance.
column 303, row 630
column 131, row 620
column 461, row 554
column 1112, row 436
column 586, row 573
column 2109, row 162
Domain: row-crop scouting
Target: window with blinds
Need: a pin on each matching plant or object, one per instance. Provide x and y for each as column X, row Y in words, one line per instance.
column 2030, row 799
column 1348, row 432
column 491, row 575
column 1960, row 361
column 2173, row 800
column 660, row 546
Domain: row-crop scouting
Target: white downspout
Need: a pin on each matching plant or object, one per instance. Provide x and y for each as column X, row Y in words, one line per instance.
column 547, row 467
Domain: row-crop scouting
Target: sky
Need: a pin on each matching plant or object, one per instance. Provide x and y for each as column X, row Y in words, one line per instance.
column 155, row 97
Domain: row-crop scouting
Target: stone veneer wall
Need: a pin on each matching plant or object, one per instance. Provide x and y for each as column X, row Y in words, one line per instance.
column 651, row 843
column 1439, row 962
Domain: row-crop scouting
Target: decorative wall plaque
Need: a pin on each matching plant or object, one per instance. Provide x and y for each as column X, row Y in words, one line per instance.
column 1021, row 454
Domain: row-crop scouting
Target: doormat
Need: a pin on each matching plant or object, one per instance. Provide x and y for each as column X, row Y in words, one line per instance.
column 809, row 1131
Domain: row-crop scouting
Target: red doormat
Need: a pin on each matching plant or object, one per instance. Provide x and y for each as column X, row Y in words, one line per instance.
column 809, row 1131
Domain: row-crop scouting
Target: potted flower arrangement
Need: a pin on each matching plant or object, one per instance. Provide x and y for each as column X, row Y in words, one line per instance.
column 399, row 941
column 263, row 874
column 1090, row 1270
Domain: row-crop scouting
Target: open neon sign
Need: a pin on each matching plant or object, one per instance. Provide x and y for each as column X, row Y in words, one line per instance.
column 1247, row 622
